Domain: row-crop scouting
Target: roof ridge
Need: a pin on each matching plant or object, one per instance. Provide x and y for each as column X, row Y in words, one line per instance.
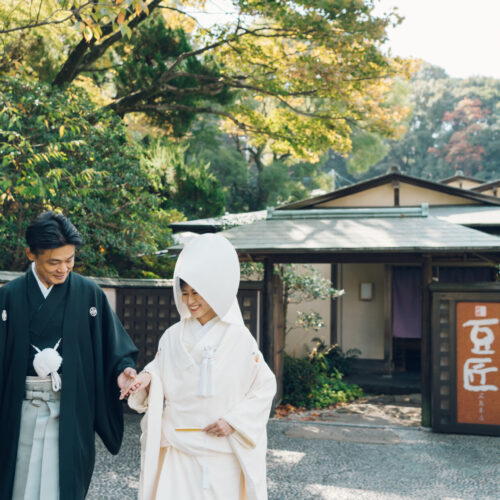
column 337, row 213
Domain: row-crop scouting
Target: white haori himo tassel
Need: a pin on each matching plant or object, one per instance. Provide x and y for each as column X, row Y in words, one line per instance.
column 47, row 362
column 207, row 377
column 205, row 477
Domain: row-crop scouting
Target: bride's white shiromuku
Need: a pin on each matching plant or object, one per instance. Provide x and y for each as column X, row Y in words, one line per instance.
column 202, row 373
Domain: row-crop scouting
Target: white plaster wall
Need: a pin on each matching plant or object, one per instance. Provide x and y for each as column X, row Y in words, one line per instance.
column 378, row 196
column 383, row 196
column 297, row 338
column 361, row 323
column 464, row 183
column 492, row 192
column 410, row 195
column 111, row 296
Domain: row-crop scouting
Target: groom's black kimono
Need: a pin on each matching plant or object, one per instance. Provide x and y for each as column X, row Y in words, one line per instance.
column 95, row 349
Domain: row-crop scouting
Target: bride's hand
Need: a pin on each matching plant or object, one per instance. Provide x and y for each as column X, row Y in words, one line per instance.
column 142, row 381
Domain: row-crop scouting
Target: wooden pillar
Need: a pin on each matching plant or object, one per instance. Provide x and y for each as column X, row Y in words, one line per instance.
column 334, row 337
column 395, row 187
column 426, row 360
column 274, row 332
column 388, row 361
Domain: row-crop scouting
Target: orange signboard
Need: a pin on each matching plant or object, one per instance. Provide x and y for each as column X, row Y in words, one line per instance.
column 478, row 363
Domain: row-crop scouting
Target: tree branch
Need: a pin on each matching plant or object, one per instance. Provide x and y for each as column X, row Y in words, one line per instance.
column 195, row 52
column 45, row 22
column 81, row 57
column 308, row 114
column 148, row 108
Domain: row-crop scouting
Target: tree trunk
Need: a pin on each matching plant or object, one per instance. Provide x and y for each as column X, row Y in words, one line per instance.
column 70, row 69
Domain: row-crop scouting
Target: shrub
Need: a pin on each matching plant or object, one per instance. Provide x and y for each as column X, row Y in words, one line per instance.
column 330, row 390
column 305, row 386
column 329, row 359
column 299, row 379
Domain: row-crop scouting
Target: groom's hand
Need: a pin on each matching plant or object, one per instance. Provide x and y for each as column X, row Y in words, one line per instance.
column 125, row 379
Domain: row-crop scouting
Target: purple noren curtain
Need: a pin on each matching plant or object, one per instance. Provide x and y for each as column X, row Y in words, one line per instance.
column 407, row 302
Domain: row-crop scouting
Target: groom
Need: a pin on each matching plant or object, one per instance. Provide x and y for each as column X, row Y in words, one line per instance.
column 64, row 356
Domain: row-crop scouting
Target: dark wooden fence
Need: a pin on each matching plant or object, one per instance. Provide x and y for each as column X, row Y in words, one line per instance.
column 147, row 312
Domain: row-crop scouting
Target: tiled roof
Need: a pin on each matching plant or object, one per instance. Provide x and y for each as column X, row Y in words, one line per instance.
column 461, row 178
column 382, row 234
column 213, row 224
column 487, row 185
column 468, row 215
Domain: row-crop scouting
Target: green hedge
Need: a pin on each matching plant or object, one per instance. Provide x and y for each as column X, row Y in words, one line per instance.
column 305, row 385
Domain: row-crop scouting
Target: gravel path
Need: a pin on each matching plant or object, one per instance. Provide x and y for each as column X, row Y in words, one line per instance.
column 341, row 461
column 398, row 410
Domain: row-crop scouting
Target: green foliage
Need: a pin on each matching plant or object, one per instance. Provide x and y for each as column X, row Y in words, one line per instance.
column 299, row 379
column 38, row 52
column 145, row 60
column 82, row 17
column 294, row 77
column 304, row 385
column 252, row 271
column 310, row 177
column 277, row 185
column 247, row 187
column 59, row 152
column 331, row 390
column 181, row 184
column 454, row 125
column 304, row 286
column 368, row 150
column 209, row 144
column 330, row 360
column 297, row 45
column 310, row 320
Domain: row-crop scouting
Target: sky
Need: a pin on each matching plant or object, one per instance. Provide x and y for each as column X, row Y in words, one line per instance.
column 461, row 36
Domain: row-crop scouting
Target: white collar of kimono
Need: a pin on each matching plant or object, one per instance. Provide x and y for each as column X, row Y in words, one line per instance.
column 45, row 291
column 209, row 264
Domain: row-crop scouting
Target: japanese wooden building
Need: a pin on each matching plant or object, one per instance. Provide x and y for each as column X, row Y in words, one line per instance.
column 385, row 241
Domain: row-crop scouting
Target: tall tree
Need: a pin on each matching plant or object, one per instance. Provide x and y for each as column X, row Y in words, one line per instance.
column 316, row 67
column 454, row 125
column 55, row 155
column 462, row 152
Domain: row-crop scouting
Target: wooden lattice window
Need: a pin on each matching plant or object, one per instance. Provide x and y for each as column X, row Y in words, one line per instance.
column 444, row 378
column 249, row 301
column 147, row 312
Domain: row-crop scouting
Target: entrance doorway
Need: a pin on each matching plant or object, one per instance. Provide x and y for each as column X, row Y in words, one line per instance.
column 407, row 308
column 406, row 355
column 406, row 318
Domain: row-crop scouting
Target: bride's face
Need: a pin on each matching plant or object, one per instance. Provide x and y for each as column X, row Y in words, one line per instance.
column 197, row 305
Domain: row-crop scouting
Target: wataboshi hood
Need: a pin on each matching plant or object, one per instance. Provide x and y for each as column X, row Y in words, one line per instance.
column 209, row 264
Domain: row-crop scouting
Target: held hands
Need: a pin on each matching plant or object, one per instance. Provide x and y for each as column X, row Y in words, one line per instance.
column 220, row 428
column 139, row 382
column 125, row 378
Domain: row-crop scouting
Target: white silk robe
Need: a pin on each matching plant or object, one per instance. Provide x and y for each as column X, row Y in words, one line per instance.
column 191, row 464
